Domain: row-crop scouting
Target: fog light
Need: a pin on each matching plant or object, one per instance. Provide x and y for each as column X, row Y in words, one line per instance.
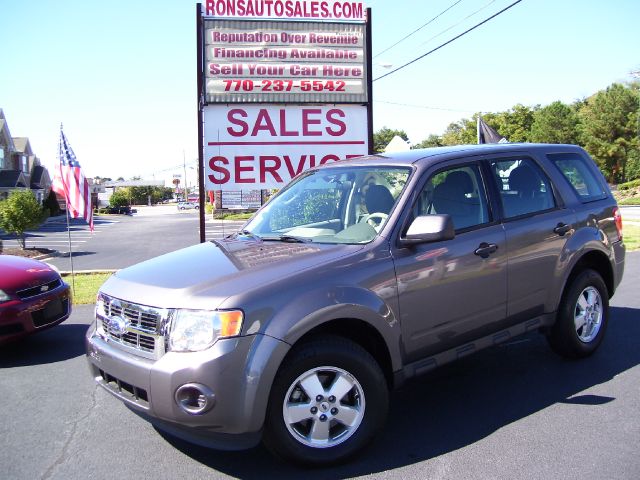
column 195, row 398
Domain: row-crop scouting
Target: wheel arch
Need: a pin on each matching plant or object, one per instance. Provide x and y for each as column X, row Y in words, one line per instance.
column 594, row 260
column 359, row 332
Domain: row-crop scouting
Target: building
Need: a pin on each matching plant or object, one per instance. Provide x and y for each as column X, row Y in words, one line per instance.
column 20, row 168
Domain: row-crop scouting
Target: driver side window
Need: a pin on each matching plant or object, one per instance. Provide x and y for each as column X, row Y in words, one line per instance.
column 458, row 192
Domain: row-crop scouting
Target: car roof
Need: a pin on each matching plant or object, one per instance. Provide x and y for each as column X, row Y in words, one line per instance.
column 438, row 154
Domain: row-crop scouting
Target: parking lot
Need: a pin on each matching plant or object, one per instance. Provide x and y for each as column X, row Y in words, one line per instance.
column 516, row 411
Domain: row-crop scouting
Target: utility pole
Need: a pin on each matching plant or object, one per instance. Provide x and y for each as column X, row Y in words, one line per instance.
column 184, row 166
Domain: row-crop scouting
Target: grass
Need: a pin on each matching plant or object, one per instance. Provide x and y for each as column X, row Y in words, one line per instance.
column 630, row 201
column 631, row 234
column 234, row 216
column 86, row 286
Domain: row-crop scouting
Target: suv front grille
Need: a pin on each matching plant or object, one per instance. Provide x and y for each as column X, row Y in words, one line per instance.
column 136, row 328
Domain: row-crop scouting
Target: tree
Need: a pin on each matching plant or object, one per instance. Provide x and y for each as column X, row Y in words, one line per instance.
column 515, row 124
column 463, row 132
column 431, row 141
column 51, row 203
column 382, row 137
column 120, row 197
column 20, row 212
column 609, row 129
column 555, row 123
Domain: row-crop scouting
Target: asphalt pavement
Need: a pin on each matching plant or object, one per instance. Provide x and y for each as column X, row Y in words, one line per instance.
column 516, row 411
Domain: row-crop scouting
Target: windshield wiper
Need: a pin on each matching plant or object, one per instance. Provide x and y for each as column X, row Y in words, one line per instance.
column 248, row 233
column 288, row 238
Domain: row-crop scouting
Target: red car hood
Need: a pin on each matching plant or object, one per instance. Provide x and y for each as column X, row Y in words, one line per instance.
column 18, row 273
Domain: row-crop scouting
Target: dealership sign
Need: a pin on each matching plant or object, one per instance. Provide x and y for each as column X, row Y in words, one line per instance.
column 332, row 10
column 285, row 87
column 264, row 146
column 284, row 62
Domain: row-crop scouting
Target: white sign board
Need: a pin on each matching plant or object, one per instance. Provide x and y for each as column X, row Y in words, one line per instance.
column 251, row 147
column 284, row 62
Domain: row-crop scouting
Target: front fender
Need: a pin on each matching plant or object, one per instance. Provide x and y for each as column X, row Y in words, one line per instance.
column 317, row 307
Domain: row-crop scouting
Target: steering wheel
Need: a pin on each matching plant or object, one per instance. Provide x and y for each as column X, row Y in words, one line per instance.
column 375, row 219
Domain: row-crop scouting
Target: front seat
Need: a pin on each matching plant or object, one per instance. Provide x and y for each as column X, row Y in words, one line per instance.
column 378, row 200
column 450, row 197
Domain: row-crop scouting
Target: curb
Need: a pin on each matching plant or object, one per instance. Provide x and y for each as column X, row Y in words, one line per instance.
column 65, row 273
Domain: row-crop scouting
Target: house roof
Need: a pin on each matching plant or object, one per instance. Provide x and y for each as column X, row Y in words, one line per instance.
column 12, row 179
column 40, row 177
column 22, row 145
column 5, row 136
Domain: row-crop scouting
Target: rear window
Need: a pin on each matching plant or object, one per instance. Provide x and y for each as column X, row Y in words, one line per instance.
column 576, row 170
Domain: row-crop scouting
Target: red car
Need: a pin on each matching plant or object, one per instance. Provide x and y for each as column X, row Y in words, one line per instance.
column 33, row 297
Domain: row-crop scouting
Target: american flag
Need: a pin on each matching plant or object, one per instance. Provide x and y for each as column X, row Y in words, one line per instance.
column 69, row 182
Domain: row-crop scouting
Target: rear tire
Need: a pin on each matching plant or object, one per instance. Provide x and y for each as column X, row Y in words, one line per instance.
column 327, row 402
column 582, row 316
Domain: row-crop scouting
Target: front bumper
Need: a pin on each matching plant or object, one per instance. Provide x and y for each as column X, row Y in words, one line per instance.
column 19, row 318
column 239, row 371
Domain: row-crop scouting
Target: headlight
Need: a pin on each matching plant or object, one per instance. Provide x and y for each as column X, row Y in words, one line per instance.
column 3, row 296
column 194, row 330
column 100, row 314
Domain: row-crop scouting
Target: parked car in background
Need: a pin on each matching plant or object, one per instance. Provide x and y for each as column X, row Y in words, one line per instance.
column 126, row 210
column 357, row 276
column 33, row 297
column 188, row 206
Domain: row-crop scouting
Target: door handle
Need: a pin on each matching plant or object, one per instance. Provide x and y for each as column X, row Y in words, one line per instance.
column 485, row 249
column 562, row 228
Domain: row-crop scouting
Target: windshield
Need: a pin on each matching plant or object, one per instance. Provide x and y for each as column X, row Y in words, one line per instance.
column 331, row 205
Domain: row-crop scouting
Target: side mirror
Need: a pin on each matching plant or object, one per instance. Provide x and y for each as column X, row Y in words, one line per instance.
column 429, row 228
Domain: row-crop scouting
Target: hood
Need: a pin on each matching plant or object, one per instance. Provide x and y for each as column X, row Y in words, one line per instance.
column 18, row 273
column 204, row 275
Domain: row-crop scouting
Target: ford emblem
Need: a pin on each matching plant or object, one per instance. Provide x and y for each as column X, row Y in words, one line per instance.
column 117, row 325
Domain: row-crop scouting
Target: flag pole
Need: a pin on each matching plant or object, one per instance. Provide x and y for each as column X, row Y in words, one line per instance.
column 73, row 279
column 66, row 211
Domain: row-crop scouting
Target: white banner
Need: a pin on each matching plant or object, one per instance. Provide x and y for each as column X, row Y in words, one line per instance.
column 250, row 147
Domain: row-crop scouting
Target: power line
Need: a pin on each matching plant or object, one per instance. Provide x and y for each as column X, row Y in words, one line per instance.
column 426, row 107
column 448, row 42
column 417, row 29
column 456, row 24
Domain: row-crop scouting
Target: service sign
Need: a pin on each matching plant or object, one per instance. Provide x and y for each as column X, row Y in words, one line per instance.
column 327, row 10
column 284, row 62
column 252, row 147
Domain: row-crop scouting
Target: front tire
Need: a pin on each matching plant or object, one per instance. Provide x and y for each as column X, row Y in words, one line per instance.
column 582, row 316
column 328, row 401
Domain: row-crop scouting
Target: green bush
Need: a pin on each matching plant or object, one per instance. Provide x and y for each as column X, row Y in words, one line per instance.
column 629, row 185
column 21, row 212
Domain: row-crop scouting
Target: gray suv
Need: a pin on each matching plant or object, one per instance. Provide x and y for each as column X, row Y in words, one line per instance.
column 356, row 277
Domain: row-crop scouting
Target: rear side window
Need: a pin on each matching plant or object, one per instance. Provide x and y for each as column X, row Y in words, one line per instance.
column 524, row 188
column 575, row 169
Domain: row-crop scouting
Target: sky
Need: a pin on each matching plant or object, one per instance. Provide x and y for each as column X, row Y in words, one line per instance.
column 121, row 75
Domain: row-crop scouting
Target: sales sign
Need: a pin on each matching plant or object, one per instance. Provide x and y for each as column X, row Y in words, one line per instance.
column 284, row 86
column 264, row 146
column 284, row 62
